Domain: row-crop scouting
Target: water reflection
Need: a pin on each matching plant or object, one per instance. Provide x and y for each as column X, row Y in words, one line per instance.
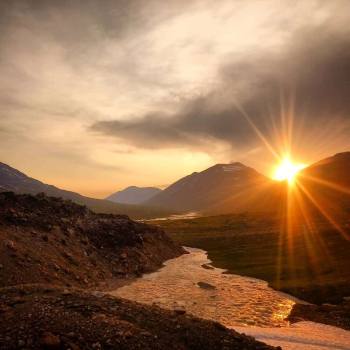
column 229, row 299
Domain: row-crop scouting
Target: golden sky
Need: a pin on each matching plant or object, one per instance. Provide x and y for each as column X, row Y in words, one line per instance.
column 96, row 96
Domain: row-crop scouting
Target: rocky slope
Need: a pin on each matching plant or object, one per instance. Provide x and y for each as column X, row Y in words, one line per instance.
column 37, row 317
column 334, row 315
column 45, row 239
column 50, row 249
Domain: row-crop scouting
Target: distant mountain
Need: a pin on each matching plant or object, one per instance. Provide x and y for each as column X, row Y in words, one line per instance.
column 212, row 189
column 16, row 181
column 220, row 189
column 134, row 195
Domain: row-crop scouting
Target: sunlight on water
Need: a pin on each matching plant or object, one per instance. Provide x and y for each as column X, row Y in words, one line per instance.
column 229, row 299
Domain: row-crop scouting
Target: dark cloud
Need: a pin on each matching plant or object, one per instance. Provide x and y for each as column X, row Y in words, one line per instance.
column 311, row 77
column 79, row 23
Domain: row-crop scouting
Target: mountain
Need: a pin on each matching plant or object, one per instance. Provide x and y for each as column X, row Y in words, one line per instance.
column 326, row 184
column 334, row 169
column 220, row 189
column 133, row 195
column 212, row 189
column 16, row 181
column 229, row 188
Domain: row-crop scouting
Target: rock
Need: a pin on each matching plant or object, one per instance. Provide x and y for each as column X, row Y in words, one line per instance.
column 73, row 346
column 180, row 311
column 205, row 285
column 208, row 267
column 10, row 244
column 50, row 341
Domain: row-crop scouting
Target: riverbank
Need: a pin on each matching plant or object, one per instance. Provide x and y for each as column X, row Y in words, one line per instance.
column 309, row 264
column 190, row 284
column 55, row 254
column 49, row 317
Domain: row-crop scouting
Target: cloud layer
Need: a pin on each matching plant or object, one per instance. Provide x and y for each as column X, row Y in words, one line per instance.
column 101, row 93
column 307, row 84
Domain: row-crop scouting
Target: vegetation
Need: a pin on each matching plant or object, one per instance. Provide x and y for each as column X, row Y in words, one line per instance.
column 311, row 264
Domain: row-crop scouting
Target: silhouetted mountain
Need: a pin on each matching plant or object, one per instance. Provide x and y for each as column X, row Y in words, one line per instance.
column 326, row 184
column 134, row 195
column 333, row 169
column 229, row 188
column 210, row 189
column 15, row 181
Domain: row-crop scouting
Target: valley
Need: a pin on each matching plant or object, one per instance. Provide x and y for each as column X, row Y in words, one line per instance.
column 276, row 238
column 56, row 261
column 316, row 269
column 174, row 175
column 190, row 284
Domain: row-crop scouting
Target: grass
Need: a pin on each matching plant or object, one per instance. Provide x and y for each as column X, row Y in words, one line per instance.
column 310, row 264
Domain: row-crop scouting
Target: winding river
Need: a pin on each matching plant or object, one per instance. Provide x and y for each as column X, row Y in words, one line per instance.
column 191, row 284
column 229, row 299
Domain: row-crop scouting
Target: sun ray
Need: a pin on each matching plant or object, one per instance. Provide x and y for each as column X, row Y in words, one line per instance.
column 324, row 212
column 287, row 170
column 258, row 132
column 326, row 183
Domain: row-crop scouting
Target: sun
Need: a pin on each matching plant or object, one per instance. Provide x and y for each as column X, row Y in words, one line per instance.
column 287, row 170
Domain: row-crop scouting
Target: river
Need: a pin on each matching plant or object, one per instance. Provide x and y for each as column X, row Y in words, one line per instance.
column 246, row 304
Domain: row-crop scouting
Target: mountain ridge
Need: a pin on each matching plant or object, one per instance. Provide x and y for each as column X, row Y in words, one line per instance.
column 16, row 181
column 133, row 195
column 201, row 190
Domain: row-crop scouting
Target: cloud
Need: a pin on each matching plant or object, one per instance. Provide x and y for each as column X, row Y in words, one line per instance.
column 120, row 82
column 310, row 80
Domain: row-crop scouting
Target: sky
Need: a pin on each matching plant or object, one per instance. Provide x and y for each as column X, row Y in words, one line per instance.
column 99, row 95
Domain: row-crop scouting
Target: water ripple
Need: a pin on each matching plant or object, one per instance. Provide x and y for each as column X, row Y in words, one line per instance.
column 229, row 299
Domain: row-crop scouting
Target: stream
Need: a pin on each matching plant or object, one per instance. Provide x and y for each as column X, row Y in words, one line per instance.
column 246, row 304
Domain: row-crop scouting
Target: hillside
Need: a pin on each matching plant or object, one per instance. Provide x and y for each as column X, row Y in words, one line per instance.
column 133, row 195
column 49, row 240
column 47, row 317
column 13, row 180
column 212, row 189
column 236, row 188
column 326, row 185
column 53, row 255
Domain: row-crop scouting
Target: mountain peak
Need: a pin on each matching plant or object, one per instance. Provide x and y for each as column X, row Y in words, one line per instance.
column 133, row 195
column 234, row 166
column 342, row 155
column 204, row 189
